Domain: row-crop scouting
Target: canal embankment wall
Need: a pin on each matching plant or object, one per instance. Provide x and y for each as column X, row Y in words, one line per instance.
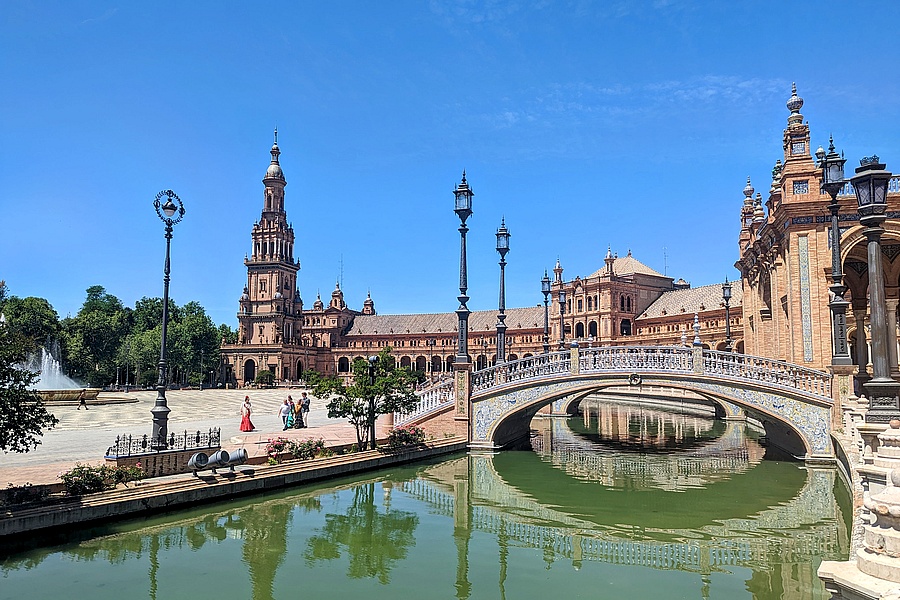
column 181, row 491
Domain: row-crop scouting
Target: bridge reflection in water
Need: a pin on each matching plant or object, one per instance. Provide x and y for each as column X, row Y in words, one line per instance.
column 644, row 503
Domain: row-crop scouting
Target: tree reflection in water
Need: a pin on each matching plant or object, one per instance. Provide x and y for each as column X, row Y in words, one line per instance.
column 373, row 540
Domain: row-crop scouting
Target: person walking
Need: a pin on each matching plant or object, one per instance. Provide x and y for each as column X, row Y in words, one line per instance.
column 82, row 401
column 298, row 416
column 304, row 407
column 283, row 413
column 289, row 424
column 246, row 424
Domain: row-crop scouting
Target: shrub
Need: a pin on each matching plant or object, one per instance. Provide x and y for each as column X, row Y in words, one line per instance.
column 275, row 447
column 308, row 449
column 23, row 494
column 87, row 479
column 403, row 437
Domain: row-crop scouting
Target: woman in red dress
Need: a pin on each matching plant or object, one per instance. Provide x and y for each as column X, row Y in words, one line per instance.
column 246, row 425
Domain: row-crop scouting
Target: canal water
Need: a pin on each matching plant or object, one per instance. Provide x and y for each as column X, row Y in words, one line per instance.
column 619, row 502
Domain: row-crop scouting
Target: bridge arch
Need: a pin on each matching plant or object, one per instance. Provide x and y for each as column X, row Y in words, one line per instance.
column 793, row 402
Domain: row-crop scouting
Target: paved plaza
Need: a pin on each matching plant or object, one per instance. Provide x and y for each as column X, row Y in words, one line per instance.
column 84, row 435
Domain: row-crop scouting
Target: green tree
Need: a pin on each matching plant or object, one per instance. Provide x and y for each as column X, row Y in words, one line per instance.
column 93, row 337
column 228, row 334
column 264, row 377
column 23, row 416
column 393, row 390
column 193, row 342
column 32, row 317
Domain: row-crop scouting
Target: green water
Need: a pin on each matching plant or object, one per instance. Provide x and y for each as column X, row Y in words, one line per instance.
column 621, row 504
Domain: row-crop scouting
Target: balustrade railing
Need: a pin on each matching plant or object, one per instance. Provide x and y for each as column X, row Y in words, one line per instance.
column 766, row 370
column 129, row 445
column 623, row 359
column 431, row 399
column 641, row 359
column 523, row 369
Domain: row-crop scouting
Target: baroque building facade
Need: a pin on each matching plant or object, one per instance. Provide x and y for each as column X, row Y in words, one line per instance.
column 785, row 259
column 623, row 302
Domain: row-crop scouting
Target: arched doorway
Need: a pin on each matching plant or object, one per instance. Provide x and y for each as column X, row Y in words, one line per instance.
column 249, row 371
column 592, row 329
column 625, row 327
column 343, row 365
column 421, row 363
column 405, row 362
column 299, row 369
column 436, row 364
column 579, row 330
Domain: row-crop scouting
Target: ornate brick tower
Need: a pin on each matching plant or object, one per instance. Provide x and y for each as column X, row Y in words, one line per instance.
column 270, row 315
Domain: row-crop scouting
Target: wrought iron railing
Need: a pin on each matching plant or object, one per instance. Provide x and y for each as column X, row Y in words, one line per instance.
column 431, row 399
column 129, row 445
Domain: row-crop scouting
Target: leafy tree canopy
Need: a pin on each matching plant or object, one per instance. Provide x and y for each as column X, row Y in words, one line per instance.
column 23, row 416
column 393, row 390
column 33, row 317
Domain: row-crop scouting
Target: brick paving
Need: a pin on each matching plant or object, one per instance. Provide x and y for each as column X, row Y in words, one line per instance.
column 84, row 435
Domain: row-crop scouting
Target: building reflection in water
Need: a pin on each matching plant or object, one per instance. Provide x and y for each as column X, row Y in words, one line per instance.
column 615, row 488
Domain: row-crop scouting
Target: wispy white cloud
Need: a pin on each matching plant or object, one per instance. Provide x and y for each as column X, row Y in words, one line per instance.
column 582, row 101
column 109, row 13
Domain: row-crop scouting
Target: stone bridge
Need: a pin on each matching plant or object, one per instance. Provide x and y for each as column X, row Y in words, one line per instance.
column 497, row 404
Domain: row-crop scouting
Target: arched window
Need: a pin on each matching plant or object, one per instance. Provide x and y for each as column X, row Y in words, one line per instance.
column 343, row 365
column 590, row 303
column 436, row 364
column 625, row 327
column 592, row 329
column 421, row 363
column 580, row 305
column 405, row 362
column 449, row 363
column 579, row 330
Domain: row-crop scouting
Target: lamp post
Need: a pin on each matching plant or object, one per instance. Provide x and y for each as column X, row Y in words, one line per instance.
column 160, row 410
column 832, row 166
column 545, row 289
column 463, row 209
column 870, row 183
column 484, row 347
column 562, row 314
column 200, row 370
column 502, row 249
column 726, row 296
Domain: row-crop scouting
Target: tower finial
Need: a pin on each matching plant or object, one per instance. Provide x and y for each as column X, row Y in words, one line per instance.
column 794, row 104
column 464, row 176
column 276, row 135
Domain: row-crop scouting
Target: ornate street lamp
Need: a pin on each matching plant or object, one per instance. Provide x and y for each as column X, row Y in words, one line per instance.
column 726, row 296
column 463, row 210
column 832, row 166
column 870, row 183
column 562, row 324
column 545, row 289
column 160, row 410
column 502, row 249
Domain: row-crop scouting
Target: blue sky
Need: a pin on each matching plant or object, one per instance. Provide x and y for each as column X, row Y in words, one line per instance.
column 630, row 124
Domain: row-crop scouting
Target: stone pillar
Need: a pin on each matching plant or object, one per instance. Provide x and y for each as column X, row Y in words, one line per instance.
column 861, row 350
column 574, row 363
column 891, row 305
column 842, row 394
column 462, row 388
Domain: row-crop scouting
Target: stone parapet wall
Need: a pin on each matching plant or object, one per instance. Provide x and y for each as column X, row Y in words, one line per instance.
column 159, row 464
column 154, row 496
